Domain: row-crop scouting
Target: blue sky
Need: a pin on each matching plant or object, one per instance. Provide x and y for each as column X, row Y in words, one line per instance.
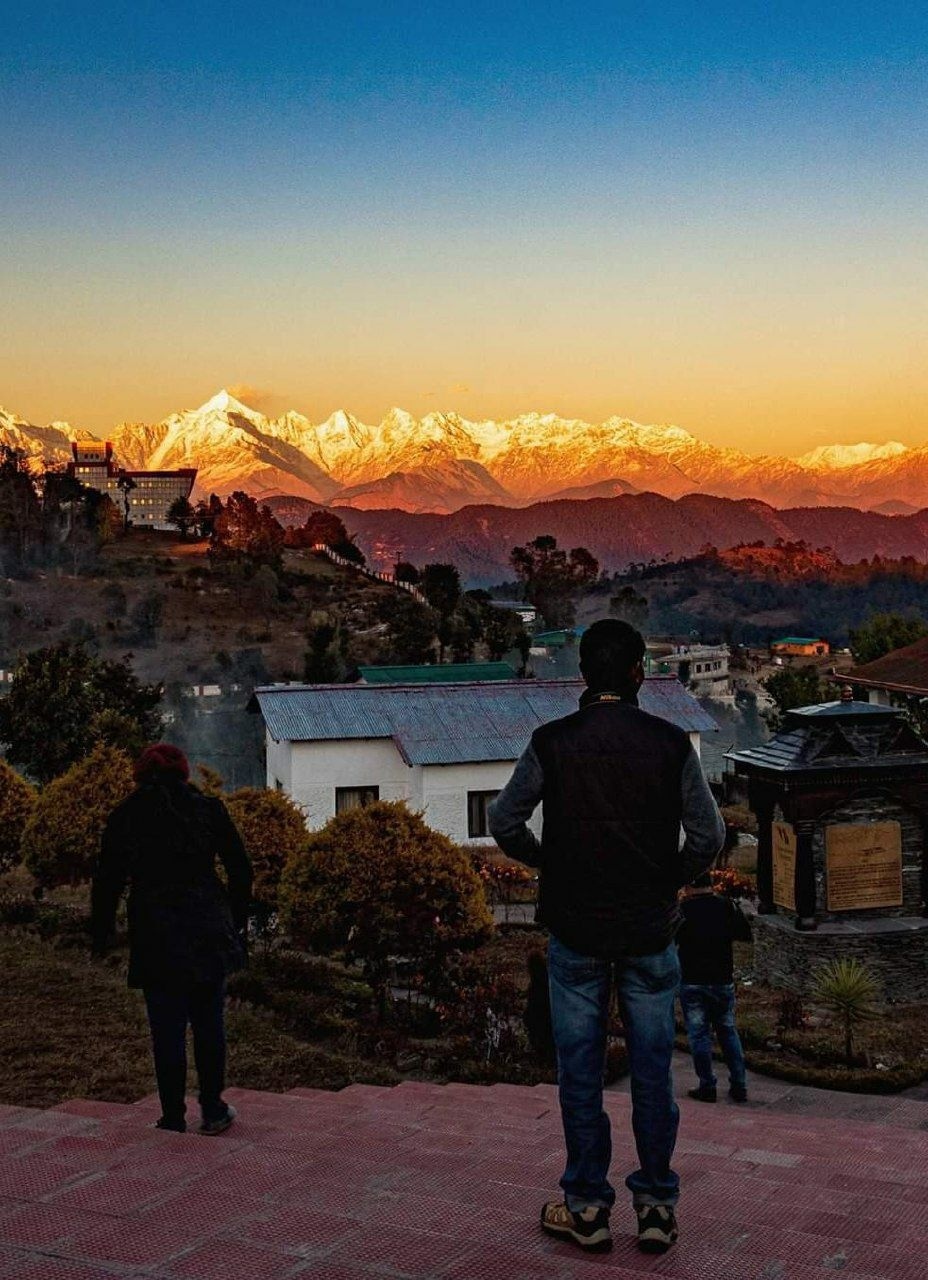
column 708, row 213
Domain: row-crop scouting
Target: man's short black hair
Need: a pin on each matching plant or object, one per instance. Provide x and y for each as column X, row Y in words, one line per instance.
column 610, row 651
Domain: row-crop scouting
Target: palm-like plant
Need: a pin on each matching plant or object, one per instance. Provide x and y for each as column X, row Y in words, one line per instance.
column 848, row 989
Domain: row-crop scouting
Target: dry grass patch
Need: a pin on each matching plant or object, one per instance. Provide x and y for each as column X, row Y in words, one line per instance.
column 71, row 1028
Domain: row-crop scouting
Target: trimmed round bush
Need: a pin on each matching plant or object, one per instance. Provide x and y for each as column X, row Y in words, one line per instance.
column 377, row 882
column 273, row 830
column 61, row 840
column 17, row 798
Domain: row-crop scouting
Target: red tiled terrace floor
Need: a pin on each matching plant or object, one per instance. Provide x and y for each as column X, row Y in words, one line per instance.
column 428, row 1181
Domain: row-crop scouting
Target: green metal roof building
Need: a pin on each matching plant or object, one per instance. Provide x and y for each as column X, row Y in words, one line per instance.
column 438, row 673
column 557, row 639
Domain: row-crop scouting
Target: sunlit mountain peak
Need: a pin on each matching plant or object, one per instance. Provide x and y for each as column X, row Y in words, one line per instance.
column 837, row 457
column 223, row 402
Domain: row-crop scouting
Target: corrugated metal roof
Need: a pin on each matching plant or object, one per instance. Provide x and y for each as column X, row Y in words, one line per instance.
column 438, row 673
column 451, row 723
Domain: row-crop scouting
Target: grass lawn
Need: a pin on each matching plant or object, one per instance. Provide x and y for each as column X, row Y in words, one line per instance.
column 70, row 1028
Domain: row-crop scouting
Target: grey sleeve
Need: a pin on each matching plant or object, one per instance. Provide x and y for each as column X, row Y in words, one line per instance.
column 510, row 811
column 703, row 825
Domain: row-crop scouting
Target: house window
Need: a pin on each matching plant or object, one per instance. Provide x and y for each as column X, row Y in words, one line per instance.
column 354, row 797
column 478, row 803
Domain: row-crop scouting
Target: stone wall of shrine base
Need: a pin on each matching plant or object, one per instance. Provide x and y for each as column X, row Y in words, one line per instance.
column 895, row 949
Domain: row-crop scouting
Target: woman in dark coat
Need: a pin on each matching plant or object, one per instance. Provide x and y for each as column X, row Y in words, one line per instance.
column 186, row 929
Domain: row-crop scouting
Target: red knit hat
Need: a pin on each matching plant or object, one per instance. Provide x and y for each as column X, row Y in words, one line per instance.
column 161, row 761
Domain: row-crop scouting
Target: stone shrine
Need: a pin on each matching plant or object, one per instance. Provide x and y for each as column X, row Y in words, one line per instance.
column 841, row 799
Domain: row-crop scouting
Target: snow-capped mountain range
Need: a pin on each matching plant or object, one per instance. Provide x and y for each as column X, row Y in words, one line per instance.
column 442, row 462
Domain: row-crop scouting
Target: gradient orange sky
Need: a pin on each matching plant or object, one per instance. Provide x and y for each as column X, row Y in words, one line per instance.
column 716, row 221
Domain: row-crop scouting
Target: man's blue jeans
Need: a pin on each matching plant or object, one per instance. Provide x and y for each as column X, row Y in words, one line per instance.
column 581, row 987
column 706, row 1009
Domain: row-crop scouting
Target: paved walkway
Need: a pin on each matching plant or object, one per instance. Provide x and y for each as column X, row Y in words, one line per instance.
column 799, row 1099
column 427, row 1181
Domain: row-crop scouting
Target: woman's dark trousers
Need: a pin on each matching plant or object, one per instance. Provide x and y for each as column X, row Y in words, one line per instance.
column 169, row 1012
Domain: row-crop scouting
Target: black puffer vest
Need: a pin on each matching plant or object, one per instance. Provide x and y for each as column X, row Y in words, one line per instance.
column 610, row 865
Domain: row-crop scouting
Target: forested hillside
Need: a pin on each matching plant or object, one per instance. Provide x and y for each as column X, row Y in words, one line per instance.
column 751, row 594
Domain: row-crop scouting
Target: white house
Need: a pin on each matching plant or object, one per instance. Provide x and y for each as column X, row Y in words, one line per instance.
column 703, row 667
column 446, row 749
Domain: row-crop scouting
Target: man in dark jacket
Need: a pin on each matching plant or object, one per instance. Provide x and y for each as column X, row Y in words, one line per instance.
column 186, row 930
column 616, row 784
column 711, row 923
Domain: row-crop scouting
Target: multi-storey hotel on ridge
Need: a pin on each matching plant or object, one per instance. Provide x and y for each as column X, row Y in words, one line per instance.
column 149, row 494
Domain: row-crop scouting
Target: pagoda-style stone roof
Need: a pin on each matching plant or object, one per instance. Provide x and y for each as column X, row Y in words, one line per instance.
column 847, row 735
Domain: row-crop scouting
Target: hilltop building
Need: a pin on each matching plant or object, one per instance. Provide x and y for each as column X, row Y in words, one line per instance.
column 446, row 749
column 150, row 494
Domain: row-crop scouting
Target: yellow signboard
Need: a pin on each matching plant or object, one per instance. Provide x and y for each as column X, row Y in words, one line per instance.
column 784, row 865
column 863, row 863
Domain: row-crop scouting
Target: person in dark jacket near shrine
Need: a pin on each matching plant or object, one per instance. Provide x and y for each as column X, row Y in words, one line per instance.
column 617, row 785
column 711, row 923
column 186, row 929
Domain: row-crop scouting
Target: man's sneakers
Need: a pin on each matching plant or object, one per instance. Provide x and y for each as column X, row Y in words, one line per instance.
column 210, row 1128
column 705, row 1093
column 589, row 1228
column 738, row 1093
column 657, row 1228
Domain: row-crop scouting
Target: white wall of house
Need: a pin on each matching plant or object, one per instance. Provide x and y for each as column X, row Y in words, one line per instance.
column 277, row 760
column 445, row 789
column 311, row 772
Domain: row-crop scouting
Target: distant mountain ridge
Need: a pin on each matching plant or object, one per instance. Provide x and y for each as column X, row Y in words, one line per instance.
column 629, row 529
column 442, row 462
